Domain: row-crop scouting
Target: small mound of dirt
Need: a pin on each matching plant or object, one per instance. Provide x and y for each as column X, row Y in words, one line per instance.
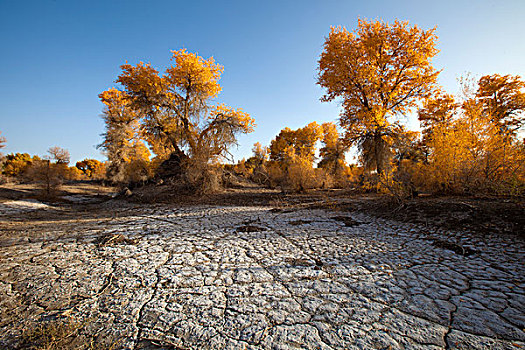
column 250, row 228
column 115, row 239
column 465, row 251
column 349, row 222
column 300, row 222
column 299, row 262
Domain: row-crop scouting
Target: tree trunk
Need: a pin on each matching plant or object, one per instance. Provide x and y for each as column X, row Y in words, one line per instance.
column 172, row 167
column 378, row 153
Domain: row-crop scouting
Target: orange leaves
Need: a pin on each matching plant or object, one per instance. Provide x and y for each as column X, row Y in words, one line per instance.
column 191, row 73
column 330, row 135
column 503, row 99
column 118, row 109
column 437, row 110
column 92, row 168
column 292, row 144
column 471, row 145
column 333, row 151
column 237, row 117
column 173, row 111
column 440, row 108
column 220, row 131
column 141, row 80
column 113, row 98
column 379, row 70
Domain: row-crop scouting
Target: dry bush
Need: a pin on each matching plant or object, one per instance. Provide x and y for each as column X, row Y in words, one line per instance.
column 253, row 169
column 3, row 179
column 300, row 176
column 347, row 176
column 260, row 175
column 63, row 334
column 137, row 171
column 325, row 180
column 48, row 177
column 241, row 169
column 297, row 176
column 201, row 177
column 276, row 175
column 398, row 184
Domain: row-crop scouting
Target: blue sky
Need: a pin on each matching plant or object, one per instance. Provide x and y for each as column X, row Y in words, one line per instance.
column 57, row 56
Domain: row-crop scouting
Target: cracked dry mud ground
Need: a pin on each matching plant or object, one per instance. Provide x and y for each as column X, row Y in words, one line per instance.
column 255, row 278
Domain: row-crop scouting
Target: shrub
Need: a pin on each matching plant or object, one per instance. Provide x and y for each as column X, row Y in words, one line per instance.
column 48, row 176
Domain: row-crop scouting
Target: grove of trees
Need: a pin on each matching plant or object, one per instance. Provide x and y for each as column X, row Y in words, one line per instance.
column 168, row 126
column 380, row 73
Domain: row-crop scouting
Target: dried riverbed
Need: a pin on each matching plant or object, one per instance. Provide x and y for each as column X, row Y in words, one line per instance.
column 256, row 278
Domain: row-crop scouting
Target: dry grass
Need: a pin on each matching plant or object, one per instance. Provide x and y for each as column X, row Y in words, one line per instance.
column 67, row 334
column 13, row 190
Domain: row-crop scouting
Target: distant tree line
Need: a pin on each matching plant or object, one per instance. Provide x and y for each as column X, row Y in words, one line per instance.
column 168, row 127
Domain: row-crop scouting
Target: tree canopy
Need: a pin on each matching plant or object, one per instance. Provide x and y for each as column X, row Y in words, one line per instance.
column 292, row 144
column 503, row 99
column 333, row 151
column 379, row 71
column 175, row 109
column 173, row 112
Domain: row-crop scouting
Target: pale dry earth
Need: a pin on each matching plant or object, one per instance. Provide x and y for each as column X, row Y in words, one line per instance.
column 236, row 277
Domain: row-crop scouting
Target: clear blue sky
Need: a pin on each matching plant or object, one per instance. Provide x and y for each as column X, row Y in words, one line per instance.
column 57, row 56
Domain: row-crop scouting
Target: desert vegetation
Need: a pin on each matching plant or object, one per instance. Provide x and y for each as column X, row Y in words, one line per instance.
column 291, row 244
column 468, row 144
column 168, row 128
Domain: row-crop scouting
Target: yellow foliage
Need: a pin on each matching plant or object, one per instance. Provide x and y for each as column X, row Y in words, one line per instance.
column 379, row 71
column 92, row 168
column 301, row 176
column 333, row 154
column 292, row 144
column 472, row 155
column 439, row 109
column 174, row 110
column 276, row 174
column 137, row 170
column 503, row 98
column 73, row 173
column 16, row 164
column 260, row 152
column 191, row 73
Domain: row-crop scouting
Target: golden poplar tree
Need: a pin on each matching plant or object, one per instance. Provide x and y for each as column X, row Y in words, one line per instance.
column 472, row 144
column 122, row 139
column 503, row 99
column 291, row 145
column 176, row 109
column 379, row 71
column 292, row 154
column 333, row 151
